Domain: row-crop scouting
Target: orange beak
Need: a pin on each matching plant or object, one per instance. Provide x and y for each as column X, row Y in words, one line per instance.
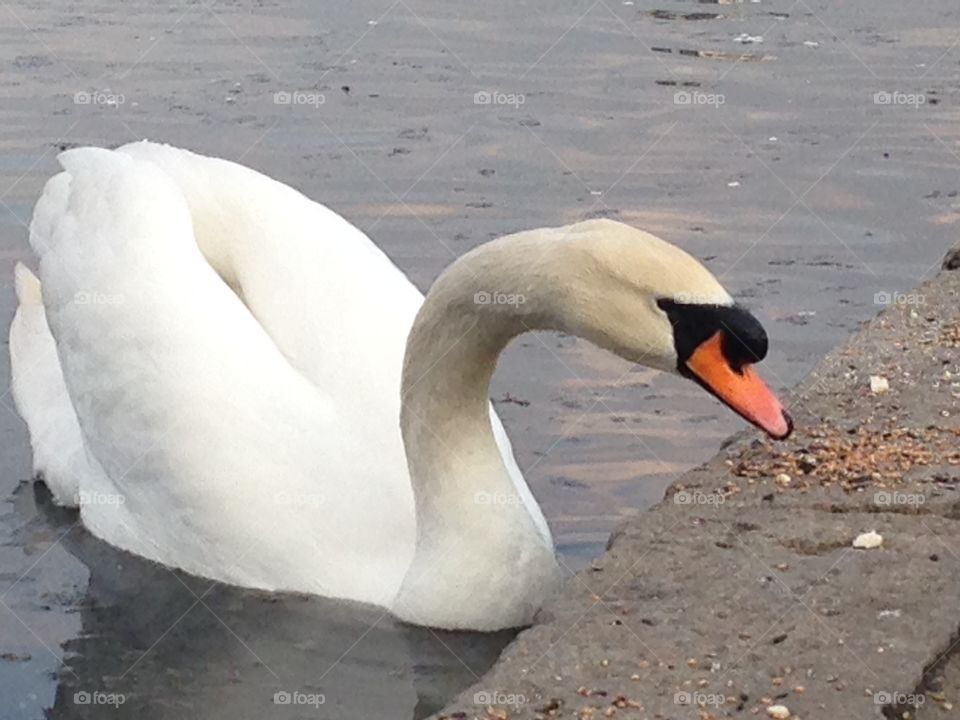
column 741, row 390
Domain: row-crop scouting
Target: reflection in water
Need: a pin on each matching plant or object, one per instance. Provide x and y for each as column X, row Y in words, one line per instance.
column 174, row 646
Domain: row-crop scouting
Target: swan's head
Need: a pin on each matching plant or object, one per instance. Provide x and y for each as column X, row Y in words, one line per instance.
column 652, row 303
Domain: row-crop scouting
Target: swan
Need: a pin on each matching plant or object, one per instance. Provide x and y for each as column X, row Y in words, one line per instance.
column 229, row 378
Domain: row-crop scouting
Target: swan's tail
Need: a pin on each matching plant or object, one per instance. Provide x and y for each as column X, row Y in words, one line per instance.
column 40, row 394
column 27, row 285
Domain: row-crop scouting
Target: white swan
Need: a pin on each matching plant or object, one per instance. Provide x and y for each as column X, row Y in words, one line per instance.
column 213, row 369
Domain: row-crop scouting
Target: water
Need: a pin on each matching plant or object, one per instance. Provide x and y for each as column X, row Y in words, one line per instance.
column 171, row 645
column 779, row 167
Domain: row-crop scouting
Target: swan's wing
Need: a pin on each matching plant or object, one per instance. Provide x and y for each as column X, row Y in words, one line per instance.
column 195, row 416
column 331, row 300
column 41, row 396
column 156, row 352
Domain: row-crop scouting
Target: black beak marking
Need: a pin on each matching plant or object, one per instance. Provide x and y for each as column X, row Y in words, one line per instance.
column 744, row 339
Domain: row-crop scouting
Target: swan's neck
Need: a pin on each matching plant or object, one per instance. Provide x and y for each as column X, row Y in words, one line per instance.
column 445, row 412
column 476, row 520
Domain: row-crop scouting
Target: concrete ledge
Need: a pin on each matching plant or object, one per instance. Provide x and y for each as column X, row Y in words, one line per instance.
column 742, row 590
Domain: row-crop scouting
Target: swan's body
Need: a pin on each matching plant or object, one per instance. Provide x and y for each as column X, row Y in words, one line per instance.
column 213, row 367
